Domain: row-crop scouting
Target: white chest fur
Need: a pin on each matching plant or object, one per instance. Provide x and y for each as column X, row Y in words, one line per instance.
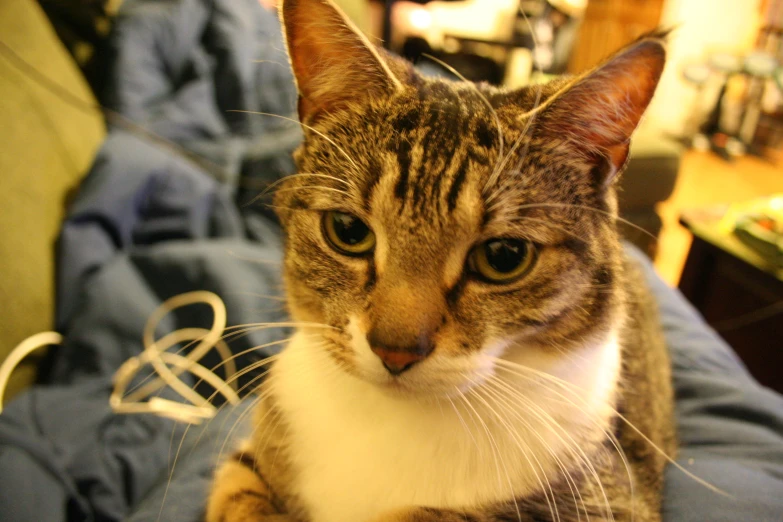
column 360, row 452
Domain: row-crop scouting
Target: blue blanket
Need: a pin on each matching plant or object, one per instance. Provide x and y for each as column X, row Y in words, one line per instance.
column 151, row 222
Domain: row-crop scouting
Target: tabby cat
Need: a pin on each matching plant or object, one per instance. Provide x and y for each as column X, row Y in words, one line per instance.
column 475, row 344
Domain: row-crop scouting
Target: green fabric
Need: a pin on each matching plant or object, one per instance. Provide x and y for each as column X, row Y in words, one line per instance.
column 47, row 147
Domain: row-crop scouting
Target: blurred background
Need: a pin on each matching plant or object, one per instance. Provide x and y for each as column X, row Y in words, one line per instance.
column 713, row 134
column 702, row 194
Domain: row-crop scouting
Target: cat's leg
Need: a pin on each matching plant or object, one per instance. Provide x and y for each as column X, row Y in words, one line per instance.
column 240, row 493
column 428, row 515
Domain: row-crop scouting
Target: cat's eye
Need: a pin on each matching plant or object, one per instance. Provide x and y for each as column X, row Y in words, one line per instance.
column 502, row 260
column 347, row 233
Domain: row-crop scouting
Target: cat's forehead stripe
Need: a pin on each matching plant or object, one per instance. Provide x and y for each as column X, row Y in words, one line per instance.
column 437, row 156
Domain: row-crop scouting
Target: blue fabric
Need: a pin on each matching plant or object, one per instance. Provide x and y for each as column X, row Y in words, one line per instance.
column 147, row 225
column 150, row 222
column 195, row 71
column 730, row 427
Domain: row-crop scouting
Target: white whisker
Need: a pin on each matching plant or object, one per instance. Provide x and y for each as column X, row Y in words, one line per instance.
column 474, row 415
column 576, row 390
column 321, row 134
column 549, row 422
column 513, row 433
column 493, row 389
column 286, row 179
column 595, row 422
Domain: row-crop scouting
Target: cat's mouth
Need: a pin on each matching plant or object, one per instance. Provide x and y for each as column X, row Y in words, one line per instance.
column 426, row 390
column 397, row 386
column 435, row 378
column 441, row 372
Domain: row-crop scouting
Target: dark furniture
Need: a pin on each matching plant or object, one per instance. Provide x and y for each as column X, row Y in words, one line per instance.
column 738, row 292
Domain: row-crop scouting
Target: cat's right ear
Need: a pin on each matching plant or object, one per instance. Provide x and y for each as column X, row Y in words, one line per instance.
column 333, row 62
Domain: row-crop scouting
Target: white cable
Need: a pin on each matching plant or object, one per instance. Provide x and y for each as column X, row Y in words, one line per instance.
column 168, row 366
column 198, row 408
column 21, row 351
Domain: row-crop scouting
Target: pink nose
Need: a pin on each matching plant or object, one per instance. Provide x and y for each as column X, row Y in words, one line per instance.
column 398, row 361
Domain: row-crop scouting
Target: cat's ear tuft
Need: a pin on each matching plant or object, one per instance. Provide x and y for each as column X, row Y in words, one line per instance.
column 601, row 109
column 333, row 62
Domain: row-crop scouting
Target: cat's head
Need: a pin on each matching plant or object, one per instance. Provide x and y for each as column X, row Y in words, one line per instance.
column 441, row 225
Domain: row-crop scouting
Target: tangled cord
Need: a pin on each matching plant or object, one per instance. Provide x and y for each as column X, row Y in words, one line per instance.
column 156, row 354
column 22, row 350
column 166, row 364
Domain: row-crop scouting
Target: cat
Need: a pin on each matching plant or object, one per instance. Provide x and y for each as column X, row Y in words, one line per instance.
column 476, row 346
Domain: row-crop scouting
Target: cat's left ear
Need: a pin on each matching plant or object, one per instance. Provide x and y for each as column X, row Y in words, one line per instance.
column 600, row 110
column 333, row 62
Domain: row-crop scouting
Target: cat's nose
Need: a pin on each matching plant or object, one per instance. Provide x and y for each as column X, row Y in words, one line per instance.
column 404, row 320
column 396, row 361
column 398, row 357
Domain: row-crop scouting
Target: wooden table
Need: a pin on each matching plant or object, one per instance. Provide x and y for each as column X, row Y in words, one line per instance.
column 738, row 292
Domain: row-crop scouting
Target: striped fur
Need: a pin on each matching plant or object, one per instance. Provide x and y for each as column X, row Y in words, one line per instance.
column 513, row 416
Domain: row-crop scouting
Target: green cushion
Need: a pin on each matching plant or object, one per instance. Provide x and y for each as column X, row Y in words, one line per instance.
column 48, row 145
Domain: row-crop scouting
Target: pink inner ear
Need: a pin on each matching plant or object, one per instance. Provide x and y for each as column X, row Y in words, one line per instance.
column 314, row 60
column 617, row 154
column 333, row 63
column 318, row 73
column 602, row 109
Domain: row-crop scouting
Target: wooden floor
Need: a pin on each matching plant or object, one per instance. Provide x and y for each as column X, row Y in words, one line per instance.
column 705, row 179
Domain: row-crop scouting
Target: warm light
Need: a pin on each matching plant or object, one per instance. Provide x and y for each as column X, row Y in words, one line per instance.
column 420, row 19
column 570, row 7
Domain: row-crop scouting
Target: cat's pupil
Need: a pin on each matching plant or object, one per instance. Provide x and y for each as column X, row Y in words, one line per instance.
column 505, row 255
column 349, row 229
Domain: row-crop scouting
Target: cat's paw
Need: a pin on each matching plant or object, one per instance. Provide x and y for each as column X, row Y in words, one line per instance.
column 239, row 494
column 244, row 516
column 412, row 514
column 398, row 515
column 421, row 514
column 242, row 510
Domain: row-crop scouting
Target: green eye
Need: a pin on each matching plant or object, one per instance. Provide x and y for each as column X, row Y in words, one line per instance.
column 347, row 233
column 502, row 260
